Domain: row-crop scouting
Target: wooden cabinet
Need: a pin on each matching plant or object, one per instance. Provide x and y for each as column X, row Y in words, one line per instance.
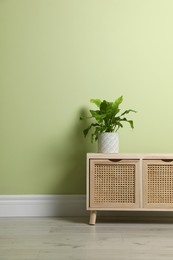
column 129, row 182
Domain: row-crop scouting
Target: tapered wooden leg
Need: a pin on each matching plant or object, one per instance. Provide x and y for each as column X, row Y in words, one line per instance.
column 93, row 215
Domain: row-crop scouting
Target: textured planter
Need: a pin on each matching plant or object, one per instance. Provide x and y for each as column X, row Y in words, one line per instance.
column 108, row 143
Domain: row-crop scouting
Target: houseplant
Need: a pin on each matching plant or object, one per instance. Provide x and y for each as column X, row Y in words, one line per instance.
column 106, row 121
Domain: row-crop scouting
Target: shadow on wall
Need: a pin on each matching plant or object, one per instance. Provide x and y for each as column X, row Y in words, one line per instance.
column 73, row 156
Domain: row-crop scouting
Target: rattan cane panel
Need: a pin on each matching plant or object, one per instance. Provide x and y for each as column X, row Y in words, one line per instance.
column 114, row 183
column 160, row 184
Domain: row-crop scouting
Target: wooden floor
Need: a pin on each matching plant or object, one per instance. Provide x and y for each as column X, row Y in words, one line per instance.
column 73, row 239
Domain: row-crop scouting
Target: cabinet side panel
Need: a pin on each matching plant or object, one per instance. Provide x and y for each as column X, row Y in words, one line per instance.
column 87, row 182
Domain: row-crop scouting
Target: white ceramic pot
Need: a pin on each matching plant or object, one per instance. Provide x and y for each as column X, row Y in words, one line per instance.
column 108, row 143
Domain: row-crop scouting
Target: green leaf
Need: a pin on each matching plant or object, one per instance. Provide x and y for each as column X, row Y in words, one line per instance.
column 129, row 121
column 85, row 131
column 96, row 114
column 85, row 117
column 103, row 107
column 119, row 125
column 128, row 111
column 117, row 102
column 97, row 102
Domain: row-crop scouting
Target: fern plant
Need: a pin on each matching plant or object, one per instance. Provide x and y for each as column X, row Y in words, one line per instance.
column 107, row 117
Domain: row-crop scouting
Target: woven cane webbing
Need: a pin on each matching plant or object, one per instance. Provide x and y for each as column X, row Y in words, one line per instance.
column 114, row 183
column 160, row 183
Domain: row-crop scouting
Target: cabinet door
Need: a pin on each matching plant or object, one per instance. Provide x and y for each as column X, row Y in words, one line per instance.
column 113, row 184
column 158, row 183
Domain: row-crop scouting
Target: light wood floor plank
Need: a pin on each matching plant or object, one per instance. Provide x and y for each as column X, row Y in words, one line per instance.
column 72, row 238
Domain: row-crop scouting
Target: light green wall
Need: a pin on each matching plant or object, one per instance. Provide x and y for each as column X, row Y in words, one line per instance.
column 57, row 54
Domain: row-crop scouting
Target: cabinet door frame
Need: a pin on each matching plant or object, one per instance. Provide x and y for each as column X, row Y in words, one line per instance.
column 136, row 163
column 157, row 191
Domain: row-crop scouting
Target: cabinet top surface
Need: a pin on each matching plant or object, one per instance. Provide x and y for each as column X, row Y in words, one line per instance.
column 131, row 155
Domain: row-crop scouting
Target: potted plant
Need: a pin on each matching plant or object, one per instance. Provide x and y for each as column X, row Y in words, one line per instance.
column 107, row 121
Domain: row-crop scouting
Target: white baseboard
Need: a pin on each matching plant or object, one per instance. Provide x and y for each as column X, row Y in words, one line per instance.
column 42, row 205
column 58, row 206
